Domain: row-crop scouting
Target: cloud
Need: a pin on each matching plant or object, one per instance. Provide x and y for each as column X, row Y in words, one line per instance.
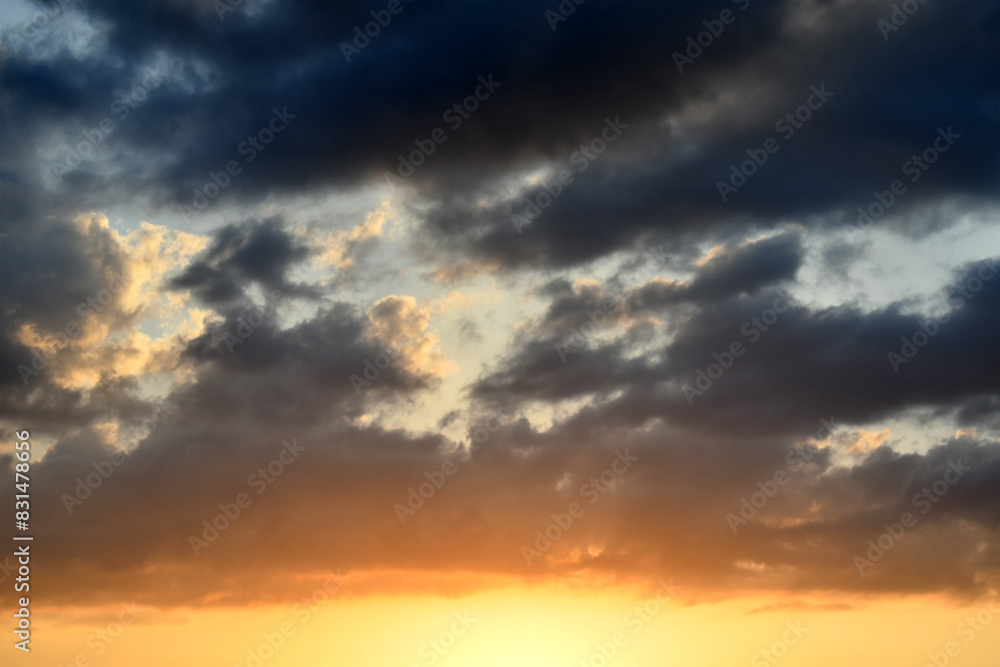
column 401, row 326
column 798, row 366
column 178, row 476
column 659, row 179
column 267, row 328
column 341, row 248
column 254, row 252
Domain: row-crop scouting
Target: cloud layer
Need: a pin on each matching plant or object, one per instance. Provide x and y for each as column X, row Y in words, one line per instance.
column 624, row 304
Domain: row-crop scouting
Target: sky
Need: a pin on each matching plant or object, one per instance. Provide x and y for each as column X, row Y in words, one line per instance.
column 500, row 333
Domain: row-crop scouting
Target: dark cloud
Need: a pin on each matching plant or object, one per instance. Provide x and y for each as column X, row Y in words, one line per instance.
column 263, row 370
column 819, row 175
column 556, row 92
column 252, row 252
column 52, row 266
column 794, row 367
column 804, row 538
column 54, row 271
column 742, row 269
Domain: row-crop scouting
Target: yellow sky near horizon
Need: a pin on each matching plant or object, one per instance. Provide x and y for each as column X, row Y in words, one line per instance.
column 539, row 627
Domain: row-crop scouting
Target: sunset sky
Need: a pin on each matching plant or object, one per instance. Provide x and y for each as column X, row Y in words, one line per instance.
column 501, row 334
